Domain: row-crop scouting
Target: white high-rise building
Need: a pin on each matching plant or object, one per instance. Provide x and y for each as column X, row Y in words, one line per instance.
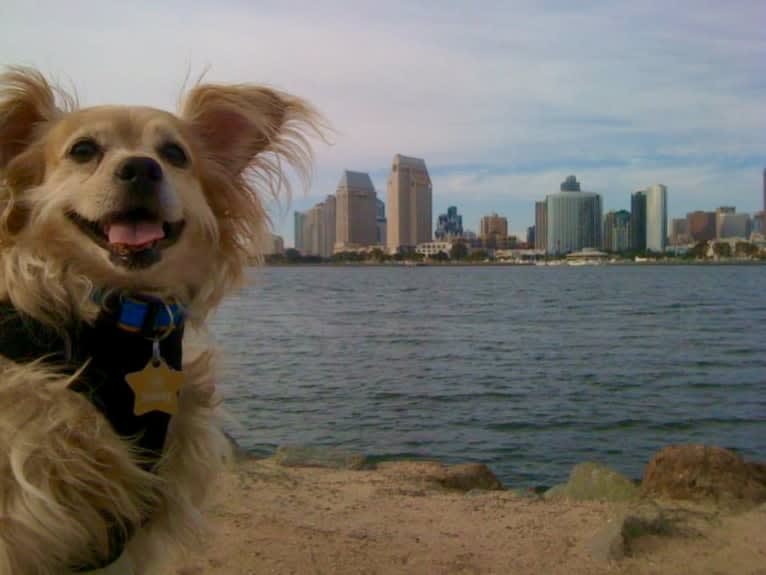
column 656, row 217
column 573, row 219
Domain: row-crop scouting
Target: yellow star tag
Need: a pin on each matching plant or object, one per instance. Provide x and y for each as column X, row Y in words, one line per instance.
column 155, row 387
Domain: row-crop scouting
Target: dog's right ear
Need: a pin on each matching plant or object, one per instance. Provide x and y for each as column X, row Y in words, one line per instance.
column 27, row 107
column 27, row 103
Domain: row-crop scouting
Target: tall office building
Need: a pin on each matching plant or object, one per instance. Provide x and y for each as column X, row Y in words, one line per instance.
column 638, row 220
column 679, row 232
column 410, row 215
column 574, row 219
column 541, row 225
column 380, row 222
column 356, row 212
column 730, row 224
column 701, row 226
column 299, row 222
column 764, row 189
column 616, row 236
column 493, row 227
column 449, row 225
column 656, row 217
column 530, row 236
column 327, row 232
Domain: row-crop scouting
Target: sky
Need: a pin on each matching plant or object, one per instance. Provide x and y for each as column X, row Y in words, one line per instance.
column 502, row 99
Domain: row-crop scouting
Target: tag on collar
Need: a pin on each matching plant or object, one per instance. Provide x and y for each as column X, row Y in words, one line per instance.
column 155, row 387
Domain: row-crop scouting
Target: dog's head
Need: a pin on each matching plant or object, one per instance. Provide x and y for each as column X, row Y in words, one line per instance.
column 135, row 198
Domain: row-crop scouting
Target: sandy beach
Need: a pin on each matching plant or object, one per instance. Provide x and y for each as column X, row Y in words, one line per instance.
column 405, row 517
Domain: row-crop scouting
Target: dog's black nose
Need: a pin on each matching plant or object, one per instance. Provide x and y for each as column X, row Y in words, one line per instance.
column 139, row 171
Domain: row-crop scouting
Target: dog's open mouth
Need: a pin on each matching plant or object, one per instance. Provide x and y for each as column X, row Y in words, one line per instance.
column 134, row 239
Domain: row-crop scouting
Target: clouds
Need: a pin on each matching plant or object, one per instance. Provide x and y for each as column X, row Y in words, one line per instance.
column 502, row 99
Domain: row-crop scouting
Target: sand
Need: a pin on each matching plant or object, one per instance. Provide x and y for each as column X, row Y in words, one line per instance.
column 266, row 518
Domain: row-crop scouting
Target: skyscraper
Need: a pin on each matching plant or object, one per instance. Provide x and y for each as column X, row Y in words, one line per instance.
column 380, row 221
column 764, row 189
column 493, row 227
column 656, row 217
column 299, row 222
column 356, row 211
column 574, row 219
column 410, row 219
column 617, row 236
column 638, row 220
column 701, row 226
column 541, row 225
column 679, row 231
column 449, row 225
column 328, row 226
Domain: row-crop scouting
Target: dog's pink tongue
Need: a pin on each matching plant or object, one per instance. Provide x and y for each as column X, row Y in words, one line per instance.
column 135, row 233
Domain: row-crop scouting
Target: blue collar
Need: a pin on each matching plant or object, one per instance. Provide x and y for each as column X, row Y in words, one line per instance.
column 149, row 316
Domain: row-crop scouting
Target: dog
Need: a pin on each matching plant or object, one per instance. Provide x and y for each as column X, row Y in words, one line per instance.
column 121, row 229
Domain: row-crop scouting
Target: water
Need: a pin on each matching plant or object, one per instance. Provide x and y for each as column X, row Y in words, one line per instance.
column 527, row 369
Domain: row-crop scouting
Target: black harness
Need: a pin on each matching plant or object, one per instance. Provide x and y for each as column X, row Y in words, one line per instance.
column 120, row 342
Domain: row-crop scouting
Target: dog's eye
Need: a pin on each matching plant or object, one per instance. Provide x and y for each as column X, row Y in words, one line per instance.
column 84, row 151
column 174, row 154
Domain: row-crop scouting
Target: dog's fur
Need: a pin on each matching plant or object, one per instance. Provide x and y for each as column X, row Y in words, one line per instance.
column 62, row 467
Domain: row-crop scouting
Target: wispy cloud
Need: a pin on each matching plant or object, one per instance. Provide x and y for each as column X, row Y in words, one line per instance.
column 502, row 100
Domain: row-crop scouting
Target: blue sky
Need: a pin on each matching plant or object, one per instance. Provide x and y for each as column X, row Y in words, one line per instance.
column 502, row 99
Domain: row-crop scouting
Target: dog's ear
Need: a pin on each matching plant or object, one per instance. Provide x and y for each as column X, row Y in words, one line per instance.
column 237, row 123
column 27, row 107
column 27, row 103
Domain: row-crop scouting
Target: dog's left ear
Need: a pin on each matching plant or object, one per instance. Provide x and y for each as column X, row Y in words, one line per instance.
column 237, row 123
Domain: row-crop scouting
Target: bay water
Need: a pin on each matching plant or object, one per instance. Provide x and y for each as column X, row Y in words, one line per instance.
column 527, row 369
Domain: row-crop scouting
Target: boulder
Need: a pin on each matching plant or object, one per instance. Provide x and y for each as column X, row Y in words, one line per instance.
column 614, row 540
column 464, row 477
column 312, row 456
column 703, row 472
column 593, row 481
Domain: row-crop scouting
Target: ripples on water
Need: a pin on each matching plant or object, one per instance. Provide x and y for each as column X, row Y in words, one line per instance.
column 527, row 369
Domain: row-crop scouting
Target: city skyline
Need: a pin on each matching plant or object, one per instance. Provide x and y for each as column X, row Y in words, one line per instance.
column 501, row 102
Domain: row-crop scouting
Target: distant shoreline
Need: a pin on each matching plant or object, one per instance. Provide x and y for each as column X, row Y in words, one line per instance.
column 510, row 264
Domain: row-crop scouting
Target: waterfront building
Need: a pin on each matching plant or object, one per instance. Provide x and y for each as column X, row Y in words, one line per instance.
column 299, row 222
column 759, row 224
column 764, row 191
column 356, row 211
column 410, row 219
column 449, row 225
column 730, row 224
column 541, row 225
column 617, row 237
column 531, row 237
column 380, row 221
column 493, row 227
column 656, row 217
column 430, row 249
column 574, row 219
column 275, row 245
column 701, row 226
column 638, row 220
column 679, row 232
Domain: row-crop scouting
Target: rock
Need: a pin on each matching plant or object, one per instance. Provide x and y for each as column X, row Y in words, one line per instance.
column 464, row 477
column 613, row 541
column 593, row 481
column 702, row 472
column 308, row 456
column 467, row 476
column 608, row 544
column 555, row 492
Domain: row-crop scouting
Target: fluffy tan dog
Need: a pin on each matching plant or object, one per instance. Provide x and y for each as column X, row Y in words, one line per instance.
column 120, row 227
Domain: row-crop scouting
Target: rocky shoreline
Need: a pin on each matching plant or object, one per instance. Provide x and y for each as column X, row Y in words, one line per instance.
column 698, row 509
